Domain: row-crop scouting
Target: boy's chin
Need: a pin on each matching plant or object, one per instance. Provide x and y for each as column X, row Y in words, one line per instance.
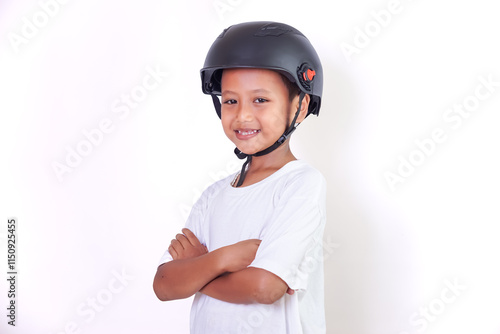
column 247, row 151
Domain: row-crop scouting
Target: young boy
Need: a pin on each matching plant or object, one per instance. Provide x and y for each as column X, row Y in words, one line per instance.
column 251, row 252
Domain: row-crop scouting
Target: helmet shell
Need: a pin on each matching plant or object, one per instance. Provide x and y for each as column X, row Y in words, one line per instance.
column 267, row 45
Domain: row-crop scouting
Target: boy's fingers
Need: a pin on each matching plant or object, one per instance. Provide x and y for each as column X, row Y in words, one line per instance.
column 172, row 249
column 172, row 252
column 176, row 244
column 181, row 238
column 191, row 237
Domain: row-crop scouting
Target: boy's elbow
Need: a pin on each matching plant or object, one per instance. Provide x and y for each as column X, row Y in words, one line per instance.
column 162, row 297
column 157, row 288
column 268, row 298
column 160, row 288
column 270, row 288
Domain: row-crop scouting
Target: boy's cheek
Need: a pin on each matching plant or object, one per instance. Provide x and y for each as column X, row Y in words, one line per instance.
column 230, row 134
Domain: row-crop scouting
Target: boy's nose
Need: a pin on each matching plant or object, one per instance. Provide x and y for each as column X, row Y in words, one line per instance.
column 245, row 113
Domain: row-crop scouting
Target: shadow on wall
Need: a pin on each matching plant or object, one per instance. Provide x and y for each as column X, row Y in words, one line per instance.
column 369, row 278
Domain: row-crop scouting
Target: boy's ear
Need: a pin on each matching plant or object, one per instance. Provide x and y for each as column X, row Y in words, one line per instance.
column 303, row 108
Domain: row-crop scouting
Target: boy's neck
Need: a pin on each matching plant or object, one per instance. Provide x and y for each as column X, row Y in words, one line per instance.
column 265, row 165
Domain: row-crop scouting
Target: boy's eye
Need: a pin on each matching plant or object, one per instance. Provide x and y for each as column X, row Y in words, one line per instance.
column 260, row 100
column 229, row 101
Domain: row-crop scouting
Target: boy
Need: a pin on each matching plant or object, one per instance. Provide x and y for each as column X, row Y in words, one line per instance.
column 251, row 252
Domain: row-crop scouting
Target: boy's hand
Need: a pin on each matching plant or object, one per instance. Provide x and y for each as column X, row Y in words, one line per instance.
column 238, row 256
column 186, row 246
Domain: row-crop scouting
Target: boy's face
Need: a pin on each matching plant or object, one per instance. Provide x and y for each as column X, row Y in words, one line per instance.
column 256, row 108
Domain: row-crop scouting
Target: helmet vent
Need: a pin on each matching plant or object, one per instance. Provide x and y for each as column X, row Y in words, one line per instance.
column 272, row 30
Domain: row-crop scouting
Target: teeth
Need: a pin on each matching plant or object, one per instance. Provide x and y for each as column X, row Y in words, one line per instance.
column 246, row 133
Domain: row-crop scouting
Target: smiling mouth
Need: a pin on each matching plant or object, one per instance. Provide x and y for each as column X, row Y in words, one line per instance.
column 246, row 132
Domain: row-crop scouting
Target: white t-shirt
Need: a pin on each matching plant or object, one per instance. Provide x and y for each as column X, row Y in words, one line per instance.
column 287, row 212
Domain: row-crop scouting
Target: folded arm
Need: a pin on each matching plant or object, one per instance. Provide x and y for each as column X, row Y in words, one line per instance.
column 249, row 285
column 193, row 267
column 182, row 278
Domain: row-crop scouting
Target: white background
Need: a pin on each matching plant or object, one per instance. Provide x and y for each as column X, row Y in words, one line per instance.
column 399, row 248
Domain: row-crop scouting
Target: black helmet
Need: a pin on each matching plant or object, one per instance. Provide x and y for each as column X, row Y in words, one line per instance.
column 267, row 45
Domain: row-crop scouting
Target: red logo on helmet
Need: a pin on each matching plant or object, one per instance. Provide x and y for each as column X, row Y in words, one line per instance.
column 309, row 75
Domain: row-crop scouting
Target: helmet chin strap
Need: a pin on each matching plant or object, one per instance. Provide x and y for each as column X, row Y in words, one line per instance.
column 288, row 132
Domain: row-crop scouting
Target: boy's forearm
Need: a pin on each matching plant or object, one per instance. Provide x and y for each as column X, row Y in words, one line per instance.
column 180, row 279
column 250, row 285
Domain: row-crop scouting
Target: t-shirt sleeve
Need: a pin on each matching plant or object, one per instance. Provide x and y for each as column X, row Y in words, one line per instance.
column 292, row 244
